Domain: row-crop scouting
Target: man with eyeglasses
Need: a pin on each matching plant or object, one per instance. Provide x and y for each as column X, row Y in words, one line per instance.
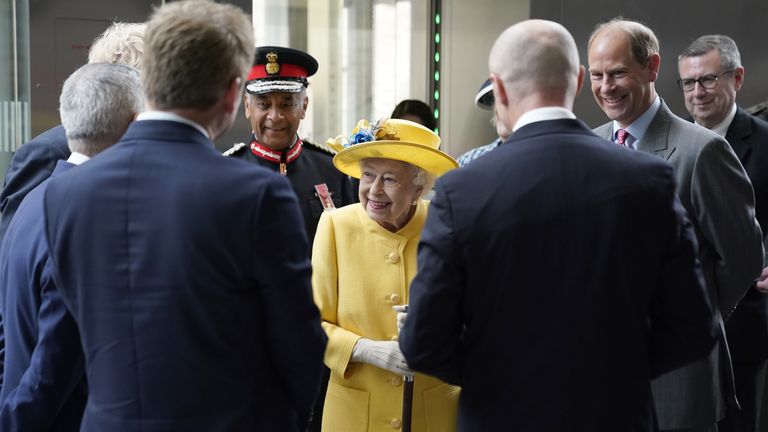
column 711, row 74
column 624, row 64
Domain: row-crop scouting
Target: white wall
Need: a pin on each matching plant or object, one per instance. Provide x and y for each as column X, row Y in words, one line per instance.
column 469, row 30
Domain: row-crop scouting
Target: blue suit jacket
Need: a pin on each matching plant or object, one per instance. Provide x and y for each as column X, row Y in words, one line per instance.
column 44, row 383
column 188, row 277
column 549, row 283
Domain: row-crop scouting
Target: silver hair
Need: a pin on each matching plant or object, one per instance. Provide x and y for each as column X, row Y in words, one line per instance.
column 729, row 53
column 97, row 103
column 423, row 179
column 121, row 43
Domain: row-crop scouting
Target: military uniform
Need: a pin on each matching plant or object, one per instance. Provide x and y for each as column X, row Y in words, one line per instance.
column 310, row 166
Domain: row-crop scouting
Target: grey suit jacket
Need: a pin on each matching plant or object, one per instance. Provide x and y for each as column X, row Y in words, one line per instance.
column 715, row 190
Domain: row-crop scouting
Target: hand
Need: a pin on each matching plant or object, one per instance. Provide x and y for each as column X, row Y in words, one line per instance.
column 402, row 314
column 762, row 282
column 382, row 354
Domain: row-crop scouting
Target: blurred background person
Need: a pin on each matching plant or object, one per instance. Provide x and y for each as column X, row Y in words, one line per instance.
column 363, row 261
column 416, row 111
column 44, row 385
column 711, row 74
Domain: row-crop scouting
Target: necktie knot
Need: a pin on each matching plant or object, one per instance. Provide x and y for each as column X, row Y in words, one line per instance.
column 621, row 137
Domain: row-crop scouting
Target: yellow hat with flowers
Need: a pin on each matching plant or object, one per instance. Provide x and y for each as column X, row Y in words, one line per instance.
column 396, row 139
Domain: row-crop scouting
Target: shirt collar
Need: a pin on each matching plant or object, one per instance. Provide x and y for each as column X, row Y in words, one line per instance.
column 722, row 127
column 169, row 116
column 640, row 125
column 542, row 114
column 77, row 158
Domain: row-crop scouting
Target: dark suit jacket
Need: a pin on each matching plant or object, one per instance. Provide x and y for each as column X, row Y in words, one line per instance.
column 188, row 276
column 313, row 166
column 747, row 329
column 549, row 283
column 44, row 368
column 718, row 197
column 32, row 163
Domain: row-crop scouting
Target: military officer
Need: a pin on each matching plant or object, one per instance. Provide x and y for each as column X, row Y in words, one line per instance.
column 275, row 102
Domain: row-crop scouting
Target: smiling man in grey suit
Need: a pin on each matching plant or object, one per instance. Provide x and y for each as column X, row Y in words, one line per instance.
column 712, row 185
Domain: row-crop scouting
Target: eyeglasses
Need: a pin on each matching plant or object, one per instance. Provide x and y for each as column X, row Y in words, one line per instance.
column 707, row 81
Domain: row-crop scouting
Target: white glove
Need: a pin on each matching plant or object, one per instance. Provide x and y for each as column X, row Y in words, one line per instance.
column 402, row 314
column 382, row 354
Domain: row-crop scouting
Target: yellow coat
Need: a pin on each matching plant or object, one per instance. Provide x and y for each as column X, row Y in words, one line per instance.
column 360, row 270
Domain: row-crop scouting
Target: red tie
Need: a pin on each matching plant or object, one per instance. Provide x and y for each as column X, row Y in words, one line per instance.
column 621, row 137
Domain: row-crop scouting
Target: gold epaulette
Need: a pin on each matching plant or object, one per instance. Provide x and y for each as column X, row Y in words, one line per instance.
column 235, row 148
column 321, row 147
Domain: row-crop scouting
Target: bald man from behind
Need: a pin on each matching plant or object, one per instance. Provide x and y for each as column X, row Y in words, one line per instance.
column 550, row 274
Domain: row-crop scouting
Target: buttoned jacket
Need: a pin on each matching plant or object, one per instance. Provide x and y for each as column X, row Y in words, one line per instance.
column 360, row 270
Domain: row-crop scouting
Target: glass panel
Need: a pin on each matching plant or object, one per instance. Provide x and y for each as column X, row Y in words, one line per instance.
column 14, row 90
column 365, row 49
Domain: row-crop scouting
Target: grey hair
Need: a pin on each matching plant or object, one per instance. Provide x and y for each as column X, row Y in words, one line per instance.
column 121, row 43
column 729, row 53
column 97, row 104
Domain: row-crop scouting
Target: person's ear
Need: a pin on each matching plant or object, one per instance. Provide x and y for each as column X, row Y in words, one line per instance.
column 247, row 105
column 232, row 94
column 304, row 105
column 580, row 82
column 499, row 92
column 738, row 77
column 654, row 63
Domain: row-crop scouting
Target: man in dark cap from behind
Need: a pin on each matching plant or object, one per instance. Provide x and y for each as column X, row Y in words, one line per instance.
column 484, row 100
column 275, row 102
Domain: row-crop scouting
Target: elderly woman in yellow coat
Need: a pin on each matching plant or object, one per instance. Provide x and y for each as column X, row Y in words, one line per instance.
column 363, row 261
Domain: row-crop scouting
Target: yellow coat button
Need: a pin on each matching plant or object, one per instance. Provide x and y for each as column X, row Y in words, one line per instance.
column 395, row 381
column 395, row 423
column 394, row 299
column 392, row 258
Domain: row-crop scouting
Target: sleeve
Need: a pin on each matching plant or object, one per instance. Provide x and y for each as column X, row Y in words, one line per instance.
column 325, row 290
column 679, row 335
column 724, row 201
column 57, row 367
column 432, row 339
column 32, row 163
column 295, row 340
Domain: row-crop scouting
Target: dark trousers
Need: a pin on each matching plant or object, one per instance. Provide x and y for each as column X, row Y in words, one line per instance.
column 316, row 418
column 748, row 388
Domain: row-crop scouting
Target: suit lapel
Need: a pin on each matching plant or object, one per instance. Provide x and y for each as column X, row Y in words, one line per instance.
column 738, row 135
column 656, row 138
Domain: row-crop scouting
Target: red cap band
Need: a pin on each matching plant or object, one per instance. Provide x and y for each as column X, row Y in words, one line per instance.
column 286, row 71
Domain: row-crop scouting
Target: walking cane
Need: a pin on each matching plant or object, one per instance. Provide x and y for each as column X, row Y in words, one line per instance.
column 407, row 403
column 407, row 395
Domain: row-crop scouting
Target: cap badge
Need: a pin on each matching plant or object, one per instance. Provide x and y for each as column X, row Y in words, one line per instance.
column 273, row 67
